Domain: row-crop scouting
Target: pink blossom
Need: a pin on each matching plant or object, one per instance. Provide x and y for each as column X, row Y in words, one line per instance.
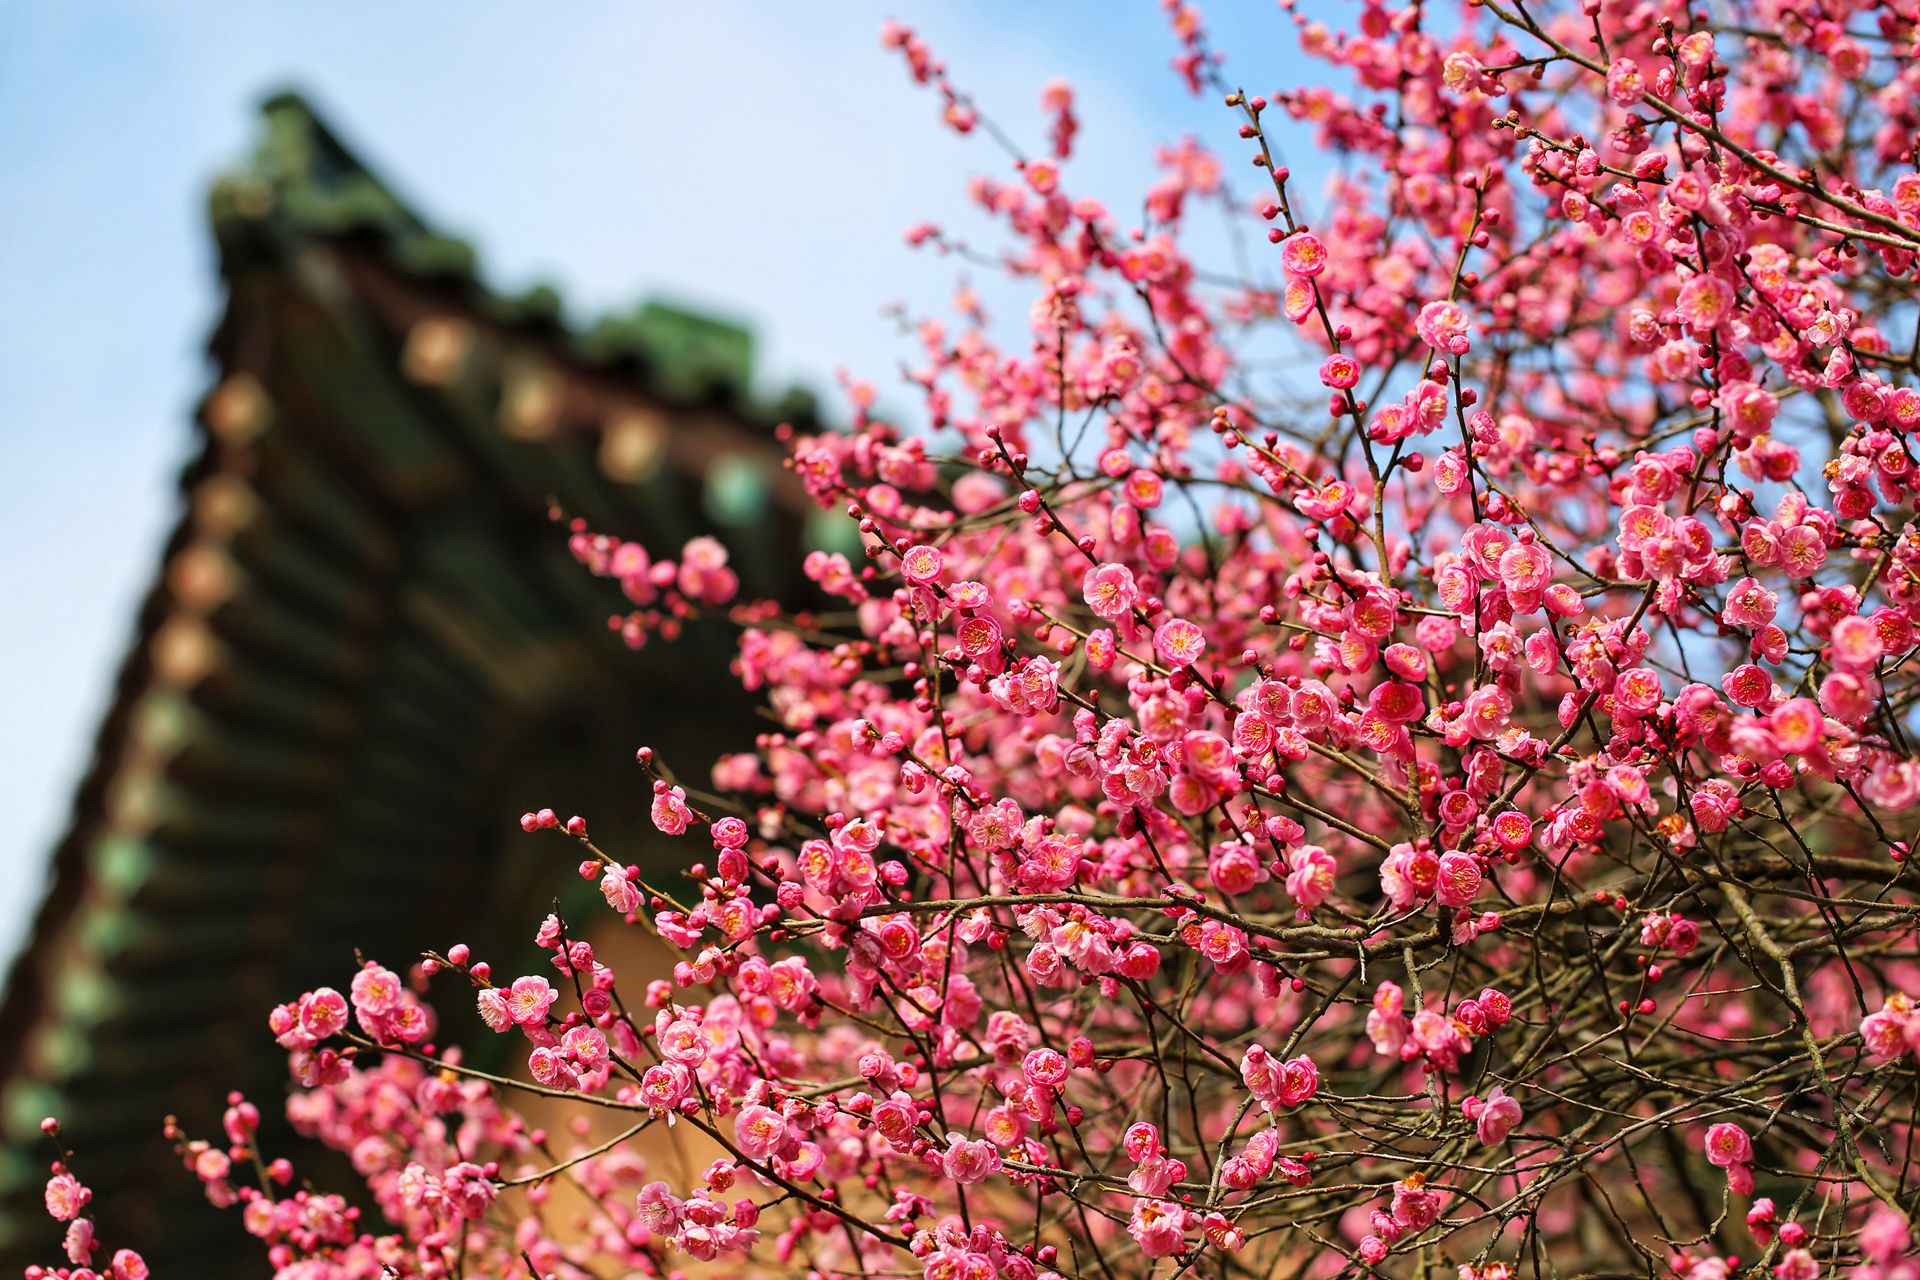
column 1299, row 1081
column 1158, row 1227
column 1179, row 642
column 1139, row 711
column 1727, row 1144
column 970, row 1160
column 1494, row 1116
column 1443, row 326
column 1624, row 83
column 493, row 1009
column 621, row 893
column 1110, row 590
column 1796, row 1264
column 323, row 1013
column 921, row 564
column 760, row 1132
column 1045, row 1067
column 1797, row 724
column 1886, row 1236
column 1310, row 876
column 1749, row 604
column 658, row 1209
column 1704, row 301
column 66, row 1197
column 1304, row 255
column 529, row 999
column 1856, row 643
column 79, row 1242
column 670, row 812
column 1416, row 1206
column 375, row 990
column 1458, row 880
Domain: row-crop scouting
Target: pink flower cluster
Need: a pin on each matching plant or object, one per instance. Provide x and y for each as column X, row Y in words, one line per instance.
column 665, row 593
column 1447, row 802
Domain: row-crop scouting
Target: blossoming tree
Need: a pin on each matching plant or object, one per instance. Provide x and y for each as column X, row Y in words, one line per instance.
column 1460, row 820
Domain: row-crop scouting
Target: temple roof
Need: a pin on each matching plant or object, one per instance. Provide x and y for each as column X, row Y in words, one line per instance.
column 366, row 650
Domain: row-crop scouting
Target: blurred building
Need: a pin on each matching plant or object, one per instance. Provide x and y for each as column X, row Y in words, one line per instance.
column 366, row 652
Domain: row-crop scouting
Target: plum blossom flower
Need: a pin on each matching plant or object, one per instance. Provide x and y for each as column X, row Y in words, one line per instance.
column 1624, row 82
column 1749, row 604
column 921, row 564
column 1304, row 255
column 1416, row 1206
column 970, row 1160
column 1458, row 879
column 1704, row 301
column 1727, row 1144
column 1276, row 1084
column 1179, row 642
column 494, row 1012
column 1110, row 590
column 1158, row 1227
column 1493, row 1116
column 1310, row 877
column 620, row 891
column 670, row 812
column 375, row 990
column 1299, row 1081
column 323, row 1013
column 66, row 1197
column 759, row 1131
column 1443, row 326
column 79, row 1242
column 529, row 999
column 1797, row 1264
column 1892, row 1030
column 658, row 1209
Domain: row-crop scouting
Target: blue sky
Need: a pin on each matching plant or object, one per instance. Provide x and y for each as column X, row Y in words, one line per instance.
column 756, row 158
